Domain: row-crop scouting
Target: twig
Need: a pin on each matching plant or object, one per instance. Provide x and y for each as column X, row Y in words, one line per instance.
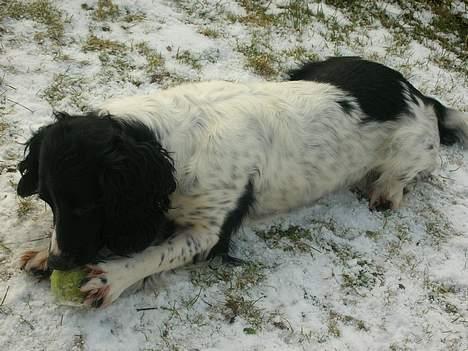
column 195, row 299
column 4, row 247
column 146, row 309
column 17, row 103
column 28, row 241
column 5, row 295
column 314, row 248
column 39, row 239
column 209, row 304
column 454, row 170
column 30, row 325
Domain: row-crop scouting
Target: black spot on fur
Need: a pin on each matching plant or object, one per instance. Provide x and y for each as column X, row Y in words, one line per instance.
column 377, row 88
column 448, row 136
column 346, row 106
column 233, row 221
column 382, row 93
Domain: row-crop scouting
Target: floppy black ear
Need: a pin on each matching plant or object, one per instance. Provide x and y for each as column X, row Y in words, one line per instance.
column 29, row 166
column 136, row 182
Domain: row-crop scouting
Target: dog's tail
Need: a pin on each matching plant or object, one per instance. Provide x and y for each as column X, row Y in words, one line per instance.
column 453, row 124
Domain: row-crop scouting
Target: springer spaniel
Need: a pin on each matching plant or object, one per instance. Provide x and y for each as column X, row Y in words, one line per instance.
column 165, row 179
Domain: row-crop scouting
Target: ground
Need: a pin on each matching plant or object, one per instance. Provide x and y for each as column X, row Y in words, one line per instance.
column 333, row 276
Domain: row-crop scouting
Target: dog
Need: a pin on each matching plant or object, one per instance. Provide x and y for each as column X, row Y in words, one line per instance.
column 165, row 179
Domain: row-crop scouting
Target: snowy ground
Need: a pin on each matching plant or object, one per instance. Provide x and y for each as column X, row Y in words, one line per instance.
column 333, row 276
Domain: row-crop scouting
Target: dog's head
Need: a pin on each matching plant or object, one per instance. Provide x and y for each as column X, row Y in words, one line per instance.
column 107, row 181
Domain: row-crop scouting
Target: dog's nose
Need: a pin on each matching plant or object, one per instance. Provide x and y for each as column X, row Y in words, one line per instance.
column 61, row 262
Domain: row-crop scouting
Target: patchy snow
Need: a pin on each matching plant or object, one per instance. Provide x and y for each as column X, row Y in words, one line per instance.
column 365, row 280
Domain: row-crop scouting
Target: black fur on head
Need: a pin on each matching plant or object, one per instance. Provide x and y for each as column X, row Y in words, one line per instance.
column 29, row 166
column 108, row 182
column 136, row 181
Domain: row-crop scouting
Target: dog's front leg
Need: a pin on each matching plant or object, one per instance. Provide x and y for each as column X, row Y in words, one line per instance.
column 106, row 281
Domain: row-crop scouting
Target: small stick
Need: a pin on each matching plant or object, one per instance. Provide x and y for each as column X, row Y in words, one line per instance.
column 146, row 309
column 5, row 295
column 17, row 103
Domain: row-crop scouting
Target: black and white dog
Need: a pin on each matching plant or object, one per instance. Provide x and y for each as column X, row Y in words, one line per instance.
column 164, row 179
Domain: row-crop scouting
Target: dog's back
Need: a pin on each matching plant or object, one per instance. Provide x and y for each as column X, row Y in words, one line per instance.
column 383, row 93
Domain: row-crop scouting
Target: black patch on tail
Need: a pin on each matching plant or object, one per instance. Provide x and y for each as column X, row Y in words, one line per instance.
column 233, row 221
column 377, row 88
column 448, row 136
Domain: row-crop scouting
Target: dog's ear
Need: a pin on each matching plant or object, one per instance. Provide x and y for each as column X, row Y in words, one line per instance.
column 29, row 166
column 61, row 116
column 136, row 182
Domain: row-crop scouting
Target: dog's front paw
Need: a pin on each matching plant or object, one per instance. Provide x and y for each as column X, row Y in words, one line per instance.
column 103, row 284
column 35, row 262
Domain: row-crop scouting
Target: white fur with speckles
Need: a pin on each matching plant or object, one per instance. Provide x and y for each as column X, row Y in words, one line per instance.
column 292, row 140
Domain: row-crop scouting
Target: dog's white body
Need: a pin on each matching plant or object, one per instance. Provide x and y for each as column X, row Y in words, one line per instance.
column 291, row 140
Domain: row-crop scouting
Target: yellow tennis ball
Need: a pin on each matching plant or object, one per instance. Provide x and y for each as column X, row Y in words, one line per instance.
column 65, row 286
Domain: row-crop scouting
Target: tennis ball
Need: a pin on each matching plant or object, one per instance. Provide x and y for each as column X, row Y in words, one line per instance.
column 65, row 286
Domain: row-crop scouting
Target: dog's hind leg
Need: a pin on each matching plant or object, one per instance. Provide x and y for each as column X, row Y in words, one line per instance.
column 411, row 149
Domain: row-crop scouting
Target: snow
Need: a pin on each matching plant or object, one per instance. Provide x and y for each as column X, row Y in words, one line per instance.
column 374, row 281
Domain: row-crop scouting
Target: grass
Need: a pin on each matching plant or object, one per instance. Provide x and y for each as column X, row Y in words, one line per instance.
column 117, row 62
column 94, row 43
column 256, row 13
column 293, row 238
column 300, row 55
column 117, row 67
column 294, row 14
column 209, row 32
column 447, row 28
column 106, row 10
column 65, row 86
column 335, row 319
column 366, row 276
column 154, row 59
column 135, row 17
column 188, row 58
column 237, row 278
column 25, row 206
column 235, row 284
column 440, row 294
column 297, row 14
column 259, row 57
column 3, row 127
column 5, row 109
column 358, row 273
column 237, row 305
column 40, row 11
column 438, row 227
